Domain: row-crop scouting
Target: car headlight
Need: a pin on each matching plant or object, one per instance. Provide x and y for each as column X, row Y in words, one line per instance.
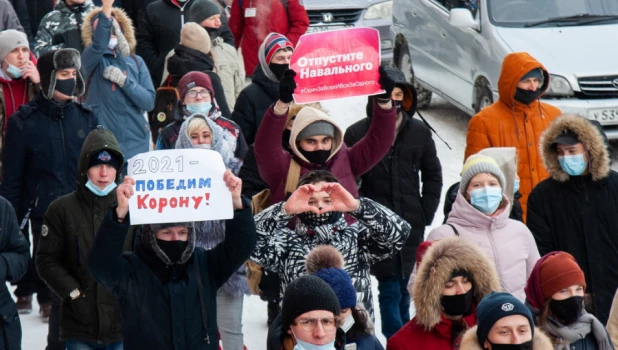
column 383, row 10
column 558, row 86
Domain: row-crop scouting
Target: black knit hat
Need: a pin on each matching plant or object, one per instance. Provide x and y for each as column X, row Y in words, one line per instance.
column 203, row 9
column 304, row 294
column 495, row 306
column 104, row 157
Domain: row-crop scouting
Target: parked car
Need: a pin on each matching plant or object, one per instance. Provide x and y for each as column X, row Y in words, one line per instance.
column 455, row 49
column 329, row 15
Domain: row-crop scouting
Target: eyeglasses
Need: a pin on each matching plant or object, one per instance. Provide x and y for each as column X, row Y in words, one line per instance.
column 203, row 93
column 309, row 324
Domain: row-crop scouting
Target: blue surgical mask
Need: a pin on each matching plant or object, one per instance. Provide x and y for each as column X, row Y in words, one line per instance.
column 486, row 199
column 516, row 187
column 199, row 107
column 113, row 42
column 573, row 165
column 303, row 345
column 14, row 71
column 100, row 192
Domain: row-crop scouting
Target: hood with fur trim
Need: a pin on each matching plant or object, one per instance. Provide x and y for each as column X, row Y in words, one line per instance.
column 126, row 24
column 438, row 263
column 471, row 342
column 307, row 116
column 588, row 134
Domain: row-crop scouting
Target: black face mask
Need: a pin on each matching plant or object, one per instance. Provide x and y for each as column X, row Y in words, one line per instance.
column 568, row 310
column 213, row 33
column 315, row 157
column 66, row 86
column 398, row 105
column 457, row 305
column 526, row 96
column 173, row 249
column 278, row 69
column 523, row 346
column 312, row 219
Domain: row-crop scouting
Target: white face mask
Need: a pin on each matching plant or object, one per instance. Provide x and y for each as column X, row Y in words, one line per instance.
column 113, row 43
column 203, row 146
column 348, row 323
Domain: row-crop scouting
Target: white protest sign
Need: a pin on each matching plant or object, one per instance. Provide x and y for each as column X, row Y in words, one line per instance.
column 179, row 185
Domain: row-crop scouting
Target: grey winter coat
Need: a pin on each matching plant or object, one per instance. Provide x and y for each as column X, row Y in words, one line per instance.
column 60, row 29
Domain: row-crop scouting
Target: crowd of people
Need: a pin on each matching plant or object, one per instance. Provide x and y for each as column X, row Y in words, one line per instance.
column 525, row 258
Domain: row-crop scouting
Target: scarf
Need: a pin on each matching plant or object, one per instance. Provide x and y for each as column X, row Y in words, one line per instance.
column 578, row 331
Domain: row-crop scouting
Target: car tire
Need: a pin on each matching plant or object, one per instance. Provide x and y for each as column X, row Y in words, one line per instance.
column 484, row 98
column 423, row 96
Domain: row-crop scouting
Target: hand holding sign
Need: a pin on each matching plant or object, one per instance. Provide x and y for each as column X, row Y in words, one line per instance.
column 234, row 184
column 287, row 85
column 386, row 83
column 123, row 193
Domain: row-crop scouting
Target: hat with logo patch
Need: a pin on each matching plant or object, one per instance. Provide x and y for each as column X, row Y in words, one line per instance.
column 497, row 305
column 11, row 39
column 104, row 157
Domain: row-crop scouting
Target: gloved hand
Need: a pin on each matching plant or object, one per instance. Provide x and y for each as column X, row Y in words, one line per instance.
column 386, row 83
column 115, row 75
column 123, row 45
column 287, row 85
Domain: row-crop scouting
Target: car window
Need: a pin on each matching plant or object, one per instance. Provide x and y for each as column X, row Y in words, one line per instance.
column 519, row 13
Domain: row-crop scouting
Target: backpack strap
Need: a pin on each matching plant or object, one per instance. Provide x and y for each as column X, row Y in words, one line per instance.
column 454, row 229
column 200, row 289
column 293, row 176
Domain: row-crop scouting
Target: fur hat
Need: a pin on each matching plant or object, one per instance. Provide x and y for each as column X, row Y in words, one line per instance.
column 438, row 264
column 477, row 164
column 202, row 10
column 195, row 37
column 496, row 306
column 304, row 294
column 51, row 62
column 149, row 241
column 326, row 262
column 11, row 39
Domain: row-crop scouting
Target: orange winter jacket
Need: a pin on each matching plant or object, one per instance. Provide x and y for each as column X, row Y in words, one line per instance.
column 508, row 123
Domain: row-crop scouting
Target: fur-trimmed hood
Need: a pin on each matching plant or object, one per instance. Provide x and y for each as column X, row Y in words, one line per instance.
column 126, row 25
column 588, row 134
column 471, row 342
column 439, row 262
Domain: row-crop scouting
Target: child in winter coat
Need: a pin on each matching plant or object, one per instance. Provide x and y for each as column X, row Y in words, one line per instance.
column 453, row 277
column 555, row 295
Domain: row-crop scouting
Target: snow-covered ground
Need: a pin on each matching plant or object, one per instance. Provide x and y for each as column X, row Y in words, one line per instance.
column 451, row 125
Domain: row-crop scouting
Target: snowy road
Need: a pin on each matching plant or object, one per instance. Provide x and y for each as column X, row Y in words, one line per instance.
column 450, row 123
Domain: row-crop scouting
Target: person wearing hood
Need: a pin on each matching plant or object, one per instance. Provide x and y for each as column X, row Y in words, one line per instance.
column 88, row 315
column 517, row 119
column 229, row 65
column 251, row 21
column 166, row 288
column 453, row 277
column 119, row 89
column 196, row 95
column 395, row 182
column 44, row 139
column 504, row 323
column 480, row 215
column 274, row 56
column 575, row 209
column 555, row 294
column 61, row 28
column 316, row 212
column 316, row 140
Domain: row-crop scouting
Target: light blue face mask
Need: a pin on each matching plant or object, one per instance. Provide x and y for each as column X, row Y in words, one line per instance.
column 15, row 72
column 573, row 165
column 302, row 345
column 199, row 107
column 486, row 199
column 516, row 187
column 100, row 192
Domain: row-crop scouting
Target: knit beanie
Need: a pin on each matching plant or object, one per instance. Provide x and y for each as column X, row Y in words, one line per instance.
column 203, row 9
column 273, row 43
column 320, row 127
column 477, row 164
column 11, row 39
column 195, row 37
column 535, row 73
column 560, row 271
column 195, row 79
column 341, row 283
column 104, row 157
column 304, row 294
column 495, row 306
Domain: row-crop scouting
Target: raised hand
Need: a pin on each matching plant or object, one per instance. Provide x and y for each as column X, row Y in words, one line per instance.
column 234, row 184
column 299, row 201
column 386, row 83
column 342, row 200
column 123, row 193
column 287, row 85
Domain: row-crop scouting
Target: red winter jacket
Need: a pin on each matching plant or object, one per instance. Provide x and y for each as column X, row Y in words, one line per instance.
column 271, row 16
column 413, row 336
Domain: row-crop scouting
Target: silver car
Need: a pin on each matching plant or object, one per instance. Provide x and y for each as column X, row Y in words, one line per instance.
column 455, row 48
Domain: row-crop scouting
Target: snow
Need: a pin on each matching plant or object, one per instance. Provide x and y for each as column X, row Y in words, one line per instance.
column 449, row 122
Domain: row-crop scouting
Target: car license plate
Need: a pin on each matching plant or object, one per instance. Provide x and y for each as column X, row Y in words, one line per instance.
column 605, row 115
column 318, row 29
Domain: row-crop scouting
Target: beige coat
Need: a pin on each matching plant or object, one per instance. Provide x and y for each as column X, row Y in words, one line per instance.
column 230, row 69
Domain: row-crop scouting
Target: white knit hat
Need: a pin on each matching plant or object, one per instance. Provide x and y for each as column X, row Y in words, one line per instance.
column 10, row 39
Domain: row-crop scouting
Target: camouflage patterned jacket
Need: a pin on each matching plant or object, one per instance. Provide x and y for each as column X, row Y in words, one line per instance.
column 60, row 28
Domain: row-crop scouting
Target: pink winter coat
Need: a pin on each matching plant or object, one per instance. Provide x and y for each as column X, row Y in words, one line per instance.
column 508, row 243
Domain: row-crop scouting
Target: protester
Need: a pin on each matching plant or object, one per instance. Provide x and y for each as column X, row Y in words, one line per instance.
column 453, row 277
column 395, row 183
column 517, row 119
column 317, row 141
column 480, row 215
column 251, row 21
column 555, row 295
column 168, row 278
column 316, row 209
column 43, row 142
column 274, row 56
column 89, row 317
column 310, row 316
column 61, row 28
column 119, row 89
column 8, row 17
column 504, row 322
column 229, row 65
column 575, row 209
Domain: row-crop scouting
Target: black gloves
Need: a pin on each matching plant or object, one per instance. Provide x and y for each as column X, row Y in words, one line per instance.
column 386, row 83
column 287, row 85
